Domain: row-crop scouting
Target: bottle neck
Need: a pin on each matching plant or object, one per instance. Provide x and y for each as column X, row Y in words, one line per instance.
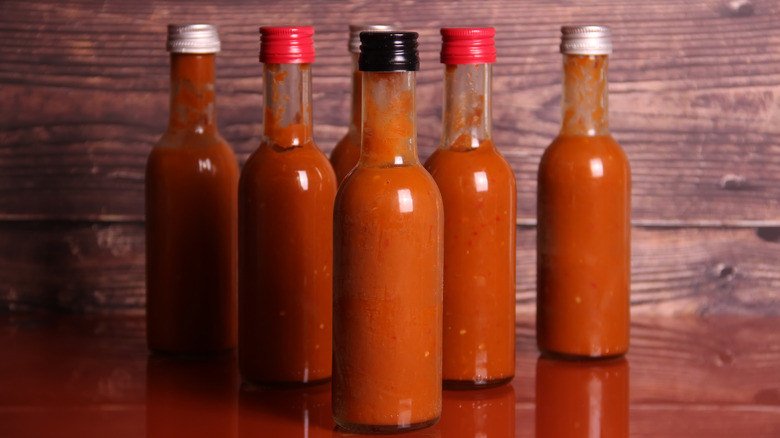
column 192, row 94
column 355, row 119
column 287, row 121
column 389, row 136
column 585, row 109
column 467, row 120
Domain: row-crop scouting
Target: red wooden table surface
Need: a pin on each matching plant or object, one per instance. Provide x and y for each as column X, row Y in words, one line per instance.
column 688, row 377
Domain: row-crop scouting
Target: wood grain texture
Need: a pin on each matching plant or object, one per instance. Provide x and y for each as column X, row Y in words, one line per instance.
column 694, row 93
column 72, row 267
column 76, row 267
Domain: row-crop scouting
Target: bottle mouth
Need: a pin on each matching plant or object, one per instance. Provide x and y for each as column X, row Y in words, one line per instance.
column 468, row 45
column 388, row 51
column 192, row 38
column 586, row 40
column 287, row 44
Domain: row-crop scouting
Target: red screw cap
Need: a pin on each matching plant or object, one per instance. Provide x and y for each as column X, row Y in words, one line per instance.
column 287, row 45
column 468, row 45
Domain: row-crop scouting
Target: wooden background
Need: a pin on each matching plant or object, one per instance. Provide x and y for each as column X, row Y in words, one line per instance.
column 695, row 101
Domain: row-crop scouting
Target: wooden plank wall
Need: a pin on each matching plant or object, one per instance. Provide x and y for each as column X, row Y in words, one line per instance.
column 695, row 101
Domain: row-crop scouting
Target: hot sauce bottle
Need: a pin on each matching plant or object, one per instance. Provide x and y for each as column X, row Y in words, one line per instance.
column 387, row 289
column 583, row 235
column 191, row 210
column 345, row 155
column 286, row 197
column 585, row 399
column 478, row 189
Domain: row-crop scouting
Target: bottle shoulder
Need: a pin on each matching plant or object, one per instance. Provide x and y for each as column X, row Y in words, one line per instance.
column 370, row 182
column 198, row 154
column 447, row 163
column 388, row 194
column 580, row 158
column 574, row 148
column 271, row 163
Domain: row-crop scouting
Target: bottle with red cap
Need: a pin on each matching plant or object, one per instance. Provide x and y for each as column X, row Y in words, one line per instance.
column 478, row 189
column 286, row 194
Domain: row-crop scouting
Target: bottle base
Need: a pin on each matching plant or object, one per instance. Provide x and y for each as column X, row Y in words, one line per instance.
column 458, row 385
column 379, row 429
column 285, row 383
column 190, row 354
column 579, row 357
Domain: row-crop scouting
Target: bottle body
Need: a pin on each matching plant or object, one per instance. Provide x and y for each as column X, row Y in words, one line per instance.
column 388, row 222
column 346, row 153
column 191, row 221
column 583, row 235
column 479, row 194
column 286, row 197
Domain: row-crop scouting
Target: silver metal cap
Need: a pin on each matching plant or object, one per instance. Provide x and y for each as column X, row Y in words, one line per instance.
column 193, row 38
column 586, row 40
column 354, row 34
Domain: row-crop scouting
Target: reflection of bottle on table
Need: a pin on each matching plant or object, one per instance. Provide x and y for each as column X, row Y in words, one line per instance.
column 582, row 399
column 486, row 413
column 285, row 412
column 191, row 397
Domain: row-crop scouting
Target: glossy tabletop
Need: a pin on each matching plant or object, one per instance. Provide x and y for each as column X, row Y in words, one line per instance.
column 91, row 376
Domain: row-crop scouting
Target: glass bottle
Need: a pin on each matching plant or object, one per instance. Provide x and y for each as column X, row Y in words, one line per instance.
column 585, row 399
column 387, row 290
column 345, row 155
column 191, row 210
column 286, row 197
column 584, row 201
column 478, row 189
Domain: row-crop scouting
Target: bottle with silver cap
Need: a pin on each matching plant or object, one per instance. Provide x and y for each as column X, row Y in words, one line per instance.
column 192, row 210
column 345, row 155
column 583, row 213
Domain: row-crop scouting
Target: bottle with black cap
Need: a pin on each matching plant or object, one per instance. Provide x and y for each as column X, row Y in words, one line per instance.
column 191, row 210
column 388, row 225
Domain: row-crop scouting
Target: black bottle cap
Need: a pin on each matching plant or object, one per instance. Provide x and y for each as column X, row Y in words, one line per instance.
column 388, row 51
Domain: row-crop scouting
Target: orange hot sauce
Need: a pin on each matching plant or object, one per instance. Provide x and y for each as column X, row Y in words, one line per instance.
column 478, row 189
column 191, row 213
column 583, row 237
column 582, row 399
column 387, row 289
column 346, row 154
column 286, row 197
